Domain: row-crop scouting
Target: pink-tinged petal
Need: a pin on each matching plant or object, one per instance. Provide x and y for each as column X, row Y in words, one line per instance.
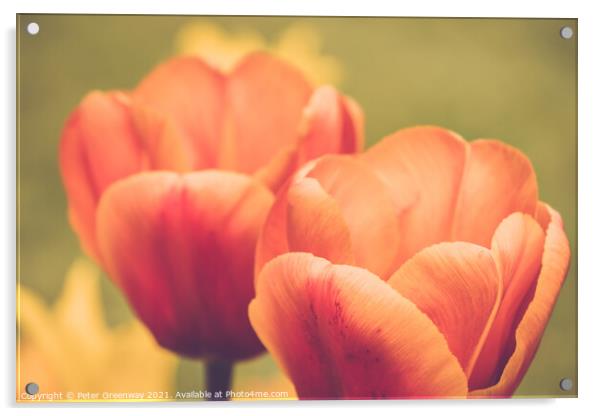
column 273, row 238
column 99, row 145
column 315, row 223
column 367, row 208
column 266, row 98
column 321, row 127
column 554, row 266
column 275, row 173
column 422, row 166
column 353, row 126
column 542, row 215
column 498, row 180
column 341, row 332
column 181, row 247
column 457, row 286
column 517, row 247
column 329, row 125
column 165, row 144
column 189, row 96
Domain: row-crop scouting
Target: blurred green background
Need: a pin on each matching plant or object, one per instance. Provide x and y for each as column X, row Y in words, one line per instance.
column 512, row 79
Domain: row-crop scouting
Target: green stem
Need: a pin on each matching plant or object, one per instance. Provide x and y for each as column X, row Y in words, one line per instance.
column 218, row 376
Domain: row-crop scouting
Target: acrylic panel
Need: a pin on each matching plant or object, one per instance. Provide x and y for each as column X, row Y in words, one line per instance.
column 289, row 208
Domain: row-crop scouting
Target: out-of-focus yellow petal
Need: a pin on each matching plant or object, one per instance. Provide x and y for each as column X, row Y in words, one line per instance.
column 69, row 347
column 298, row 44
column 301, row 45
column 219, row 48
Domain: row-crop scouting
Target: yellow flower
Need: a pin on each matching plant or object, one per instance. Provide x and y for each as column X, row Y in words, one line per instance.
column 299, row 44
column 69, row 347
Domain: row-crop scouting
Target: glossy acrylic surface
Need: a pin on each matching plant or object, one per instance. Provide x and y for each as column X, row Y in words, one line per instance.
column 509, row 79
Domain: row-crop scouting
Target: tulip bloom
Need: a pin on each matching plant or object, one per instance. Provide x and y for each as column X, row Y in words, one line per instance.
column 426, row 267
column 169, row 184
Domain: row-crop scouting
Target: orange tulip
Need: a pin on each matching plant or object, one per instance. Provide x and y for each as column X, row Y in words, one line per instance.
column 169, row 184
column 426, row 267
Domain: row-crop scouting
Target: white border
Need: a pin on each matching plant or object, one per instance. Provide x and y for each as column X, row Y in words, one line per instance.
column 589, row 213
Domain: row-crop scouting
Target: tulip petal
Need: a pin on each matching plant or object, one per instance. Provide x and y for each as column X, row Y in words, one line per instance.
column 353, row 126
column 321, row 126
column 453, row 183
column 367, row 207
column 328, row 125
column 457, row 286
column 165, row 146
column 498, row 180
column 315, row 223
column 199, row 229
column 331, row 124
column 99, row 145
column 273, row 238
column 190, row 95
column 517, row 247
column 423, row 165
column 275, row 173
column 266, row 98
column 341, row 332
column 542, row 215
column 554, row 266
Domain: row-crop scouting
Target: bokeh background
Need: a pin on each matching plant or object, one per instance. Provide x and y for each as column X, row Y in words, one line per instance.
column 512, row 79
